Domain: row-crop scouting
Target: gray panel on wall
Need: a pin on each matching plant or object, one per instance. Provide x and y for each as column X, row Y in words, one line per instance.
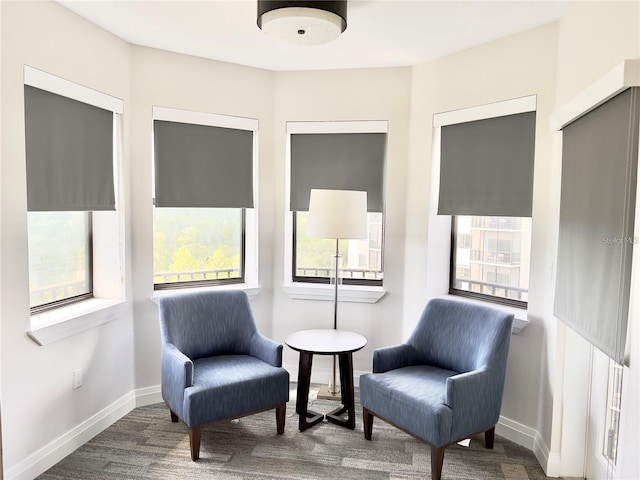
column 69, row 153
column 486, row 166
column 338, row 161
column 202, row 166
column 597, row 210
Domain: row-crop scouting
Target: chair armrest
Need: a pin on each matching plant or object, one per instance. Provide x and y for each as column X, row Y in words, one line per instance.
column 395, row 356
column 177, row 368
column 475, row 399
column 266, row 350
column 177, row 374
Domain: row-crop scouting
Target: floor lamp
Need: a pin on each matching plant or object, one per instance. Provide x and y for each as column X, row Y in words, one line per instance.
column 339, row 215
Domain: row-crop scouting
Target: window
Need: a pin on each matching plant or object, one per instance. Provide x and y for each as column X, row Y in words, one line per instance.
column 486, row 186
column 72, row 151
column 614, row 405
column 59, row 258
column 340, row 156
column 314, row 258
column 490, row 258
column 197, row 245
column 203, row 217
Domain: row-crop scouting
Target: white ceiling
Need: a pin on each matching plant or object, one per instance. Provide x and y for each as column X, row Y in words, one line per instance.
column 380, row 33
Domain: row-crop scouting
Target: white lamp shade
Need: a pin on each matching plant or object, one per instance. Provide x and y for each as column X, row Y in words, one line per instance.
column 340, row 214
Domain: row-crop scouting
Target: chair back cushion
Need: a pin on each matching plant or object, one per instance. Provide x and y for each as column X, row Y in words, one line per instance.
column 461, row 336
column 204, row 324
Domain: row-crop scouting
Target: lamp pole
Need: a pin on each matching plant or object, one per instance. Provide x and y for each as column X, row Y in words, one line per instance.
column 334, row 389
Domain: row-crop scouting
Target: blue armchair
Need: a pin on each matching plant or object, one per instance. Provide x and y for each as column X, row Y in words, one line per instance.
column 216, row 365
column 445, row 382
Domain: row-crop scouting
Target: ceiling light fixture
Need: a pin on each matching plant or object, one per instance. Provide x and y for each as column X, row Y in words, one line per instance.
column 303, row 22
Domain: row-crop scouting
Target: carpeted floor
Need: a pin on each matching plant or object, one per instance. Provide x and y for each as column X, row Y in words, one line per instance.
column 146, row 445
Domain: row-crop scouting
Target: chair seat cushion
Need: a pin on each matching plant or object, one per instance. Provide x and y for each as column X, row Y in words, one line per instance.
column 228, row 386
column 412, row 398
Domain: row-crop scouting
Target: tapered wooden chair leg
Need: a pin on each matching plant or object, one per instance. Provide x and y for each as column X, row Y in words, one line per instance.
column 194, row 441
column 489, row 436
column 367, row 422
column 174, row 417
column 437, row 459
column 281, row 411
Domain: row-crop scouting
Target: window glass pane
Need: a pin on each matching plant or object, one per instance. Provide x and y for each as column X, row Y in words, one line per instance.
column 491, row 257
column 59, row 256
column 361, row 259
column 614, row 405
column 197, row 244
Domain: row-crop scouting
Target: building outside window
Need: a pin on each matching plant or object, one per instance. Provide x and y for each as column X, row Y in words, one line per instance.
column 491, row 257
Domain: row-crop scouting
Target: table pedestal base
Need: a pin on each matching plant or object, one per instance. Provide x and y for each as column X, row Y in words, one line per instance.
column 309, row 418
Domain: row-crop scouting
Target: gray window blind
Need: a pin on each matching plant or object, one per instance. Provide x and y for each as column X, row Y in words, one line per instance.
column 338, row 161
column 596, row 234
column 69, row 153
column 202, row 166
column 486, row 166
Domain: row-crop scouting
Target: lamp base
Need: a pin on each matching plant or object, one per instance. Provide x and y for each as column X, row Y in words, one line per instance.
column 325, row 393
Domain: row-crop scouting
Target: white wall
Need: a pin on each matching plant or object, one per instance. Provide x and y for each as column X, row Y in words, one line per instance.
column 38, row 403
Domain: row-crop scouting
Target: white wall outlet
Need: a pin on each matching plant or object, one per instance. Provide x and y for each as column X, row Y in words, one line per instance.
column 77, row 378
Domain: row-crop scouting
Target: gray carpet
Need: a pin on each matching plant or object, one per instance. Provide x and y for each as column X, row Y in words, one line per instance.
column 146, row 445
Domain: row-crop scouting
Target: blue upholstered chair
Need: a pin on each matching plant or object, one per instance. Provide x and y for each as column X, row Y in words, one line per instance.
column 216, row 365
column 445, row 382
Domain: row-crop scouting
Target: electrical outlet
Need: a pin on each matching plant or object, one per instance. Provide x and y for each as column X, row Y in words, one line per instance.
column 77, row 378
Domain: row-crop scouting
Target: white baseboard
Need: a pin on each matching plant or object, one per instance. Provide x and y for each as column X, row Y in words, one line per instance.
column 531, row 439
column 516, row 432
column 148, row 396
column 45, row 458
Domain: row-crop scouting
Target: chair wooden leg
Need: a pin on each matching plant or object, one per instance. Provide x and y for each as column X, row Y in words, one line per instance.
column 174, row 417
column 194, row 441
column 281, row 411
column 489, row 435
column 367, row 421
column 437, row 459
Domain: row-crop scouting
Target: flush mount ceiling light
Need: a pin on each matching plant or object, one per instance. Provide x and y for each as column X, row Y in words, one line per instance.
column 303, row 22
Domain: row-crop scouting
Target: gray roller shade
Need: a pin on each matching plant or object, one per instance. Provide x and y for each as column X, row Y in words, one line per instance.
column 337, row 161
column 202, row 166
column 69, row 153
column 486, row 166
column 596, row 234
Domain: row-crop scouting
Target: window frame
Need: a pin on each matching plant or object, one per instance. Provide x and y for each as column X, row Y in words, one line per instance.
column 313, row 290
column 497, row 109
column 249, row 228
column 109, row 274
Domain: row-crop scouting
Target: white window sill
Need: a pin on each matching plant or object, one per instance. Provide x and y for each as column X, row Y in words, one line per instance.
column 520, row 319
column 325, row 292
column 251, row 290
column 54, row 325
